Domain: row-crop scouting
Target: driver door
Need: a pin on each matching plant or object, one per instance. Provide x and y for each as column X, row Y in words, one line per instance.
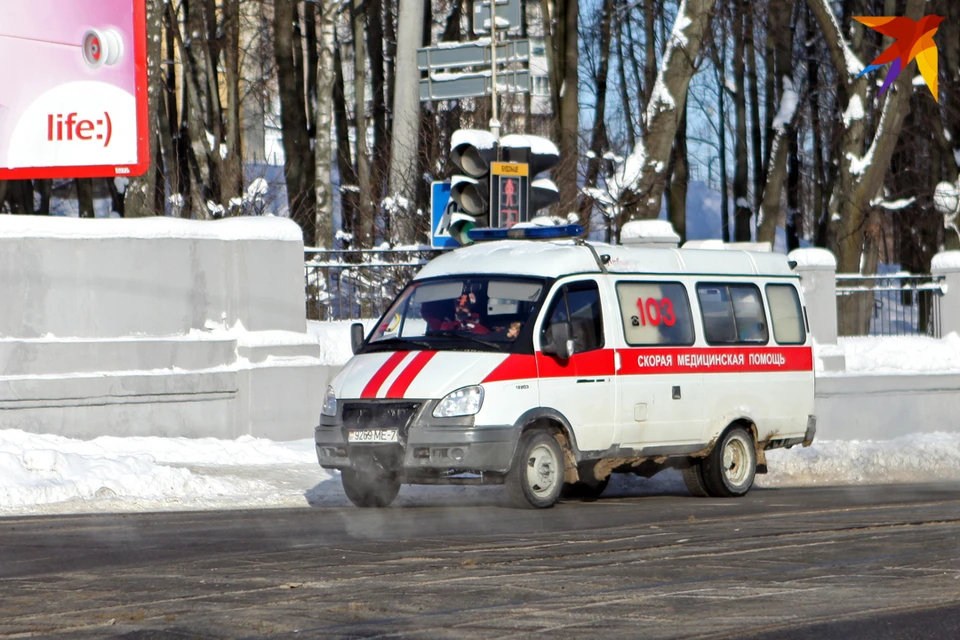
column 581, row 388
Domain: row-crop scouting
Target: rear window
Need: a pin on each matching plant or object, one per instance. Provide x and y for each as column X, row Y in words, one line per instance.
column 655, row 313
column 732, row 313
column 786, row 314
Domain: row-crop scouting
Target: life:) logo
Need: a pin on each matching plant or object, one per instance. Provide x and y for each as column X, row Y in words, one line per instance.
column 912, row 40
column 67, row 128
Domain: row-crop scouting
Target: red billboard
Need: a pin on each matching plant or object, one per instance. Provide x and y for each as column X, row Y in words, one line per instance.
column 73, row 89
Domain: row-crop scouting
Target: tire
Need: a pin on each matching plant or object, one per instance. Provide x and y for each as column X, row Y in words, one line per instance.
column 586, row 491
column 369, row 490
column 693, row 478
column 536, row 475
column 729, row 470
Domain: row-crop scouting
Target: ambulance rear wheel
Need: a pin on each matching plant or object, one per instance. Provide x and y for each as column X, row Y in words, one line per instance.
column 729, row 469
column 586, row 491
column 536, row 476
column 693, row 478
column 366, row 489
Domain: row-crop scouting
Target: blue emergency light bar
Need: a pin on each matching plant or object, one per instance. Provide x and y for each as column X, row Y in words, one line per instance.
column 526, row 233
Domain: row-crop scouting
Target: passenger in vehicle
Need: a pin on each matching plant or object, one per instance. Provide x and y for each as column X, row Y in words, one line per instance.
column 465, row 316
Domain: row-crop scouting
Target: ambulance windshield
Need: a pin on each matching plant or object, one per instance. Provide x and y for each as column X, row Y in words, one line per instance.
column 464, row 312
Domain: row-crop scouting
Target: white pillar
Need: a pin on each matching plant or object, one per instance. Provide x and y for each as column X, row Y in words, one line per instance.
column 947, row 264
column 818, row 278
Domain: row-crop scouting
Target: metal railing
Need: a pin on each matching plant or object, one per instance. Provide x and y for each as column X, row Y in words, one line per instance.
column 899, row 304
column 357, row 284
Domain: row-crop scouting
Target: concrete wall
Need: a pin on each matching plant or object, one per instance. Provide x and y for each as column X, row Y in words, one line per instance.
column 156, row 326
column 883, row 407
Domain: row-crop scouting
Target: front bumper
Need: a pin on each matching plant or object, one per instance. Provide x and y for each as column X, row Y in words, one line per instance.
column 427, row 445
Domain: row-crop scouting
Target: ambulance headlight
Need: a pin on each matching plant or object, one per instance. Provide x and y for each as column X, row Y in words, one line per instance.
column 462, row 402
column 329, row 403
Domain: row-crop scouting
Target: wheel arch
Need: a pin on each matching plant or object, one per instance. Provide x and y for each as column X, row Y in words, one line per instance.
column 555, row 422
column 750, row 426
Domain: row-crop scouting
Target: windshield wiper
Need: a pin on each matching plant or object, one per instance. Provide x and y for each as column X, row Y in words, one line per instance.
column 465, row 336
column 386, row 341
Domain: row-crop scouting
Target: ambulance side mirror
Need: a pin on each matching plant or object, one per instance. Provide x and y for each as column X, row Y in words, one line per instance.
column 561, row 344
column 356, row 336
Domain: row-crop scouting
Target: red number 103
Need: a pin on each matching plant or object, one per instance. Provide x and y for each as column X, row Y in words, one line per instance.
column 656, row 311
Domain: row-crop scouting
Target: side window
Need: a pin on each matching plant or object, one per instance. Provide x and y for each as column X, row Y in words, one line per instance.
column 732, row 314
column 749, row 314
column 655, row 313
column 579, row 304
column 786, row 314
column 717, row 312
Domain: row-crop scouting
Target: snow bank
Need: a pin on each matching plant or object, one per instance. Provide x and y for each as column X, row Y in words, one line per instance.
column 43, row 474
column 334, row 339
column 910, row 355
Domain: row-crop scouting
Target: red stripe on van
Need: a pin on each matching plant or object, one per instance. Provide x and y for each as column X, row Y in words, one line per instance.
column 370, row 391
column 591, row 363
column 715, row 360
column 409, row 374
column 654, row 361
column 515, row 367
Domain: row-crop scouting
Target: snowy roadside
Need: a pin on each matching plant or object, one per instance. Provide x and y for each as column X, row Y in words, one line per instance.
column 45, row 474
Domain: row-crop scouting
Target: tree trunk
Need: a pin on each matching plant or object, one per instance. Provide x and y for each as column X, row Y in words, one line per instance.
column 233, row 162
column 405, row 159
column 677, row 211
column 140, row 194
column 665, row 107
column 569, row 116
column 298, row 168
column 741, row 179
column 651, row 9
column 598, row 142
column 84, row 197
column 348, row 176
column 324, row 124
column 862, row 174
column 381, row 139
column 820, row 217
column 625, row 105
column 365, row 204
column 756, row 131
column 782, row 130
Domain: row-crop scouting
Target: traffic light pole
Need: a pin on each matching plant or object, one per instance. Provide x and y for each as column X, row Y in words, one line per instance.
column 494, row 119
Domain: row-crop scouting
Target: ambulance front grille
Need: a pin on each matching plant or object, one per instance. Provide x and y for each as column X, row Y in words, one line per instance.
column 379, row 415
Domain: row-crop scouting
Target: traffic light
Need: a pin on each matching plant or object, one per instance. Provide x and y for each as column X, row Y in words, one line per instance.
column 497, row 187
column 539, row 154
column 472, row 150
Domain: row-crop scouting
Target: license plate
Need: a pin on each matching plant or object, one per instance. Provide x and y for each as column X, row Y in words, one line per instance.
column 372, row 435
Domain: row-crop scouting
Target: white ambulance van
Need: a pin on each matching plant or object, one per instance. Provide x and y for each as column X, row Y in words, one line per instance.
column 547, row 366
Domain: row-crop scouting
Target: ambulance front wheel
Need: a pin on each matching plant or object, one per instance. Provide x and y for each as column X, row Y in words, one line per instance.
column 729, row 469
column 366, row 489
column 536, row 476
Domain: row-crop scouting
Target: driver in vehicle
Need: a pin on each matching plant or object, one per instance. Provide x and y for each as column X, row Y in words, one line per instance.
column 464, row 316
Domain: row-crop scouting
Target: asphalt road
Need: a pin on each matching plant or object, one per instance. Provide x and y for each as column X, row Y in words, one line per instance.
column 843, row 562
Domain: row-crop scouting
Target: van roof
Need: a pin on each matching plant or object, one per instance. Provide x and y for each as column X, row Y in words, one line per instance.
column 560, row 258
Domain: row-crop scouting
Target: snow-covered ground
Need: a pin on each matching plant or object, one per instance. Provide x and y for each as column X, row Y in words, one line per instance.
column 45, row 474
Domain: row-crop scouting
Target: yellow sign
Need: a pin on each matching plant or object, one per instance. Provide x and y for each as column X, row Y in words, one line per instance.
column 509, row 168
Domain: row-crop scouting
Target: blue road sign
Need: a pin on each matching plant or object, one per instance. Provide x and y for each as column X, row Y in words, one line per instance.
column 439, row 199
